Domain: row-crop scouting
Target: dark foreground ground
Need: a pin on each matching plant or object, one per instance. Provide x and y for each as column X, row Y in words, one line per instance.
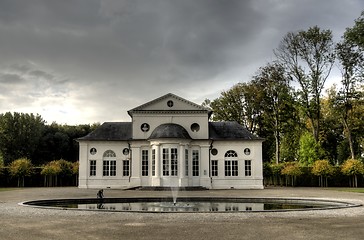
column 19, row 222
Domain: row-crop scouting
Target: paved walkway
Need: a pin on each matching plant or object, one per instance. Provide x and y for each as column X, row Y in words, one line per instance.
column 19, row 222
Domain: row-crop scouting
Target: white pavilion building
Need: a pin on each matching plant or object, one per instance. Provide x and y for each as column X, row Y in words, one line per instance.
column 170, row 142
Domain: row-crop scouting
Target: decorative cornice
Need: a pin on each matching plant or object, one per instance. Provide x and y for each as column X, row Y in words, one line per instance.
column 169, row 95
column 168, row 111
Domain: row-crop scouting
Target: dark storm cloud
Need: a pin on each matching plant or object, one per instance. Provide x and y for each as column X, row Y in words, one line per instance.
column 10, row 79
column 95, row 56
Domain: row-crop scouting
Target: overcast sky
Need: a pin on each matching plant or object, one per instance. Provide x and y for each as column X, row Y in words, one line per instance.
column 87, row 61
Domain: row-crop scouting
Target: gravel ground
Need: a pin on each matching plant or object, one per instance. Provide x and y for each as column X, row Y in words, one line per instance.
column 20, row 222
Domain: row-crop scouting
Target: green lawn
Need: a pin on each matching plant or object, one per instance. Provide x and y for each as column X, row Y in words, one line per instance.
column 8, row 189
column 358, row 190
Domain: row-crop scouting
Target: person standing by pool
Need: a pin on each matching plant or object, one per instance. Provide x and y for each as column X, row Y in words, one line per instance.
column 100, row 194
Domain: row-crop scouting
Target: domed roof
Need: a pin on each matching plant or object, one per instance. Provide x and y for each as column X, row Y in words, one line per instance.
column 170, row 130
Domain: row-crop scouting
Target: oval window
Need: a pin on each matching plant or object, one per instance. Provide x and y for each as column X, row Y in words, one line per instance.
column 195, row 127
column 170, row 103
column 247, row 151
column 214, row 151
column 126, row 151
column 93, row 151
column 145, row 127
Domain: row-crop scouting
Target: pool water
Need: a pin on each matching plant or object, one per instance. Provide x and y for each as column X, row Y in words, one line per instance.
column 190, row 204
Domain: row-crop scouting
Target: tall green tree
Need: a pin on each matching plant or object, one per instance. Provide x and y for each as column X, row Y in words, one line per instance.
column 241, row 103
column 19, row 135
column 276, row 96
column 308, row 57
column 355, row 34
column 309, row 150
column 351, row 65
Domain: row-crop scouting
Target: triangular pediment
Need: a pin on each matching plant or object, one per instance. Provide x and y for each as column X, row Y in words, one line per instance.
column 168, row 102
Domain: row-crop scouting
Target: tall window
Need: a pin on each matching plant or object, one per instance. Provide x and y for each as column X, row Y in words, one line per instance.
column 165, row 161
column 92, row 167
column 231, row 168
column 214, row 168
column 126, row 168
column 170, row 162
column 145, row 162
column 113, row 168
column 231, row 165
column 109, row 163
column 186, row 162
column 195, row 163
column 227, row 168
column 248, row 167
column 109, row 167
column 174, row 162
column 153, row 162
column 234, row 168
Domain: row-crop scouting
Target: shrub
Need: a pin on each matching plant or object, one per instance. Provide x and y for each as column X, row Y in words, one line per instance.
column 56, row 168
column 323, row 169
column 21, row 168
column 292, row 170
column 353, row 168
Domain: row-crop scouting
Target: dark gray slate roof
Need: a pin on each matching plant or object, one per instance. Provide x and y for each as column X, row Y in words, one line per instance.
column 110, row 131
column 230, row 131
column 122, row 131
column 170, row 130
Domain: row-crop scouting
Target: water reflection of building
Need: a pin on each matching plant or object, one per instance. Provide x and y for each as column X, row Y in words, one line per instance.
column 171, row 142
column 180, row 207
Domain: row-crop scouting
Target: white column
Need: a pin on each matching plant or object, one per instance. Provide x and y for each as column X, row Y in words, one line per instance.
column 157, row 161
column 84, row 165
column 181, row 161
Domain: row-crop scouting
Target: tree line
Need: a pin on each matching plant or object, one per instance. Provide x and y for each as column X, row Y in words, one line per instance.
column 24, row 135
column 28, row 145
column 287, row 103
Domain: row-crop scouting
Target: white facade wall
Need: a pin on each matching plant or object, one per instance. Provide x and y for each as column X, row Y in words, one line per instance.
column 255, row 181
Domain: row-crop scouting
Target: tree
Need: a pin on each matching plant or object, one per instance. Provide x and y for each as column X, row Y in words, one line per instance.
column 331, row 134
column 241, row 103
column 350, row 59
column 353, row 168
column 19, row 135
column 21, row 168
column 292, row 170
column 309, row 150
column 276, row 101
column 323, row 169
column 355, row 33
column 308, row 57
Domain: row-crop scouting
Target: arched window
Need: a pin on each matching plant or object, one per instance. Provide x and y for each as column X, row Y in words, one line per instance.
column 109, row 163
column 109, row 154
column 231, row 164
column 231, row 153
